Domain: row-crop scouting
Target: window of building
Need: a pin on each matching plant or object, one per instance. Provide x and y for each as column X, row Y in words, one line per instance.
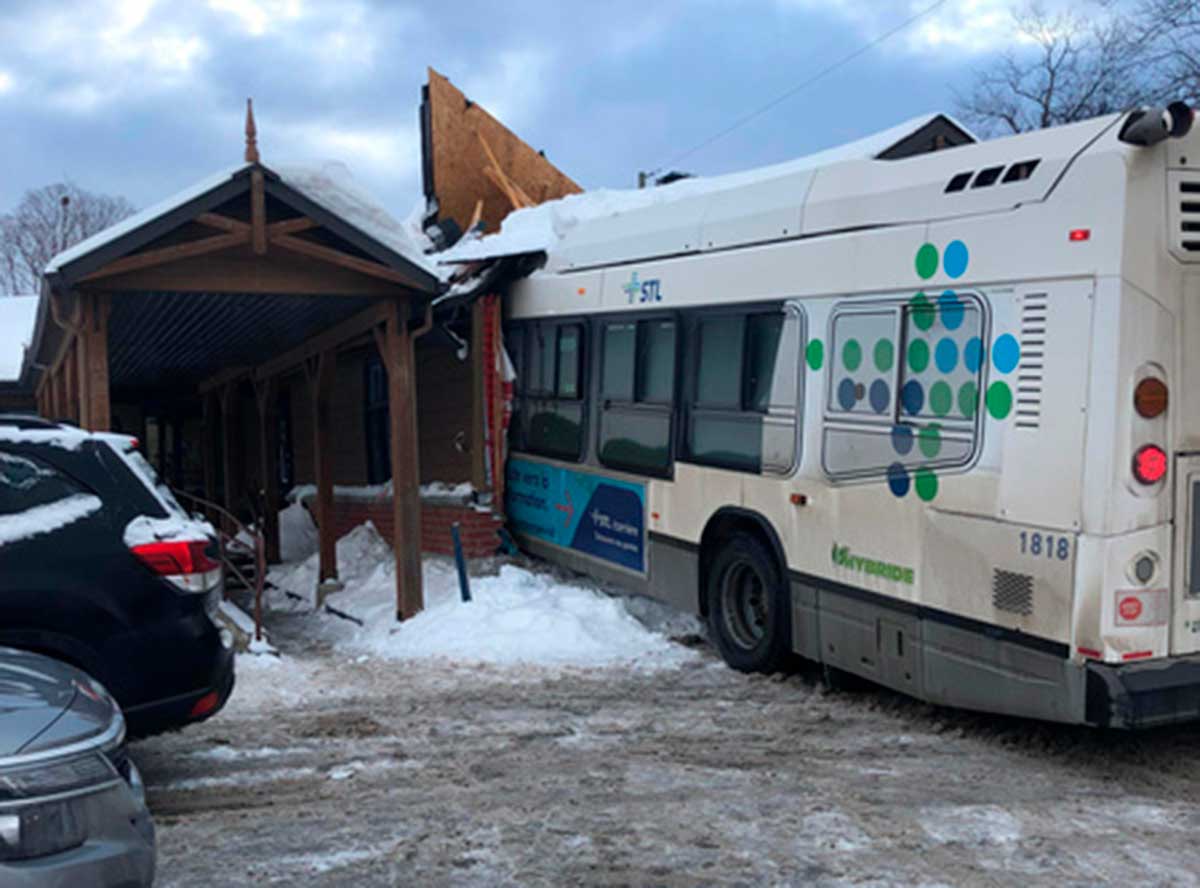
column 637, row 395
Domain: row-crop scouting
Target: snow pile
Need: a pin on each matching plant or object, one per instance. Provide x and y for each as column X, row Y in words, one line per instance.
column 297, row 533
column 540, row 228
column 17, row 317
column 46, row 518
column 363, row 556
column 517, row 617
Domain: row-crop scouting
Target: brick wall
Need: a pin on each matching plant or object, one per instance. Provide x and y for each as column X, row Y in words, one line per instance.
column 479, row 530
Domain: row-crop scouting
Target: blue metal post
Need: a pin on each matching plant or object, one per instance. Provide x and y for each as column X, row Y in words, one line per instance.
column 464, row 587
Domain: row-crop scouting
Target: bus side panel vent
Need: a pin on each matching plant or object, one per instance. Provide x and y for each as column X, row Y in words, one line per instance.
column 1034, row 311
column 1183, row 205
column 1012, row 592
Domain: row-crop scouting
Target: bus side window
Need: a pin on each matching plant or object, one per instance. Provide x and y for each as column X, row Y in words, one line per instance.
column 514, row 345
column 553, row 405
column 735, row 360
column 637, row 395
column 904, row 384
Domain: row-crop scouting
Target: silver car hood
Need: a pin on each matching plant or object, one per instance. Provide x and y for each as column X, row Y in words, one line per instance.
column 45, row 703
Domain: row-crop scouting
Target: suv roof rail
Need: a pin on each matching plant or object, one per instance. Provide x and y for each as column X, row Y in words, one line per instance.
column 26, row 421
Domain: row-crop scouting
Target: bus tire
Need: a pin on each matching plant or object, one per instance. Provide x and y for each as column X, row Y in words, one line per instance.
column 748, row 606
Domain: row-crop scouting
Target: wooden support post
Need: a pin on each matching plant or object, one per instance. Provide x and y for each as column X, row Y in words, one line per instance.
column 265, row 393
column 479, row 405
column 93, row 364
column 208, row 440
column 320, row 373
column 81, row 371
column 70, row 373
column 64, row 400
column 228, row 401
column 396, row 349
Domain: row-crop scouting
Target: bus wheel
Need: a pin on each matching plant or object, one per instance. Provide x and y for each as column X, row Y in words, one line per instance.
column 748, row 606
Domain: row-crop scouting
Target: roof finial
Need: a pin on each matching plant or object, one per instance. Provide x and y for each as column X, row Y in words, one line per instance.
column 251, row 134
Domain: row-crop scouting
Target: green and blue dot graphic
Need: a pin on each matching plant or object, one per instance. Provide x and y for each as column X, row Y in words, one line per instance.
column 943, row 358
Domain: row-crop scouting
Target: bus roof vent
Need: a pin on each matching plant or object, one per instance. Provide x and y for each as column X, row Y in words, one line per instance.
column 1034, row 310
column 1183, row 205
column 1012, row 592
column 1017, row 172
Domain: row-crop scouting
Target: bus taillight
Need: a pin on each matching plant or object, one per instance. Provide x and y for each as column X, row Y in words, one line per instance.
column 1150, row 398
column 1150, row 464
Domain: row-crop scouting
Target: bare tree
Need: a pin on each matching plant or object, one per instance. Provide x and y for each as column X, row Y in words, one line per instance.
column 1172, row 28
column 1065, row 69
column 47, row 221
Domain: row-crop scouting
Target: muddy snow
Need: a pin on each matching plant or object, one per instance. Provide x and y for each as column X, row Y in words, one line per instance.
column 332, row 770
column 627, row 754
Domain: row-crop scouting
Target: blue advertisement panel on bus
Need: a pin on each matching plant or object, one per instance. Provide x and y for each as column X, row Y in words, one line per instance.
column 601, row 516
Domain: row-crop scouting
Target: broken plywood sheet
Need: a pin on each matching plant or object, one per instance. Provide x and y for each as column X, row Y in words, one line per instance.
column 456, row 159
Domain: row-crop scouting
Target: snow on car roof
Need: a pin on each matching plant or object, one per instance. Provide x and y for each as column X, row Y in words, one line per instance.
column 17, row 317
column 540, row 228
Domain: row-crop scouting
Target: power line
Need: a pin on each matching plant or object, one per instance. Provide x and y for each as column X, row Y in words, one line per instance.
column 807, row 83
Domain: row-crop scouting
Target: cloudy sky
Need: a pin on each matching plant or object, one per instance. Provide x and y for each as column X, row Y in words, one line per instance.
column 140, row 98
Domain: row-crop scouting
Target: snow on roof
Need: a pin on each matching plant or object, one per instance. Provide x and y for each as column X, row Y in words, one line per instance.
column 332, row 187
column 17, row 317
column 329, row 185
column 137, row 220
column 540, row 228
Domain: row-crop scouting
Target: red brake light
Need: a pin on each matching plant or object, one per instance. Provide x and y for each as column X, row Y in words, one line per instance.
column 1080, row 234
column 204, row 705
column 1150, row 464
column 176, row 558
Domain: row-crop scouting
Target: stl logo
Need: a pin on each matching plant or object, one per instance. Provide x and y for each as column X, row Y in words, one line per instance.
column 643, row 291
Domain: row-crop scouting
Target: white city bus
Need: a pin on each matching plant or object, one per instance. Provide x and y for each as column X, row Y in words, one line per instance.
column 903, row 414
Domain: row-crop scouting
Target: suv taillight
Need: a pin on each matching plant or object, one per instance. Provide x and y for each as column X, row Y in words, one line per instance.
column 185, row 563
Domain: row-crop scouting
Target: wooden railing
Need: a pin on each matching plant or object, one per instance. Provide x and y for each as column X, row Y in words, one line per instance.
column 231, row 536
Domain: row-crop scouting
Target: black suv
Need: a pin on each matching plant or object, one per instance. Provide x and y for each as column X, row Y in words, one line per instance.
column 100, row 567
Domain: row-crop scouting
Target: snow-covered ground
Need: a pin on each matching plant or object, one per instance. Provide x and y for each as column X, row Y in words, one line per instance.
column 517, row 616
column 327, row 771
column 376, row 757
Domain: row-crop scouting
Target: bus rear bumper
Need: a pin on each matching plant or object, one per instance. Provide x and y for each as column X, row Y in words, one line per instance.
column 1144, row 695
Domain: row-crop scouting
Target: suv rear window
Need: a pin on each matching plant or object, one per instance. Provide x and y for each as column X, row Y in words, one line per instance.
column 146, row 474
column 27, row 482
